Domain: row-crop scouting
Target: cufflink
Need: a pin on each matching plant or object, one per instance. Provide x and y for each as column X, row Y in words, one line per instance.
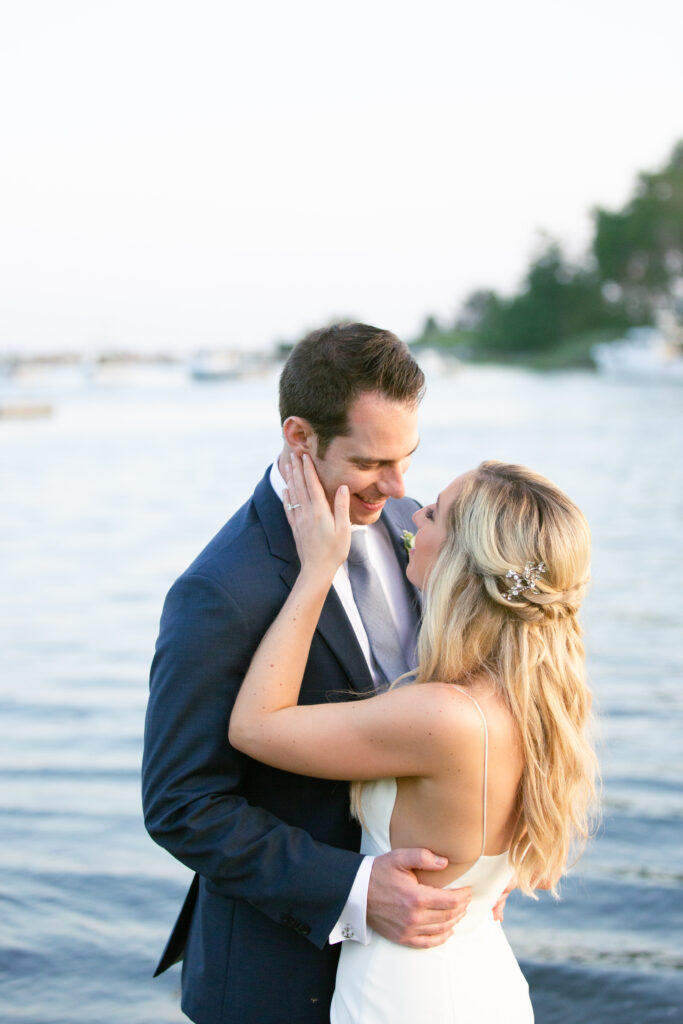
column 348, row 932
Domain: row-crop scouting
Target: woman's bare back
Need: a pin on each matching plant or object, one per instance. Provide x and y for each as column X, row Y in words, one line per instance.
column 445, row 811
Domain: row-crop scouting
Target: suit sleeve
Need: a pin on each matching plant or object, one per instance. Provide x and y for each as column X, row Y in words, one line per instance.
column 193, row 780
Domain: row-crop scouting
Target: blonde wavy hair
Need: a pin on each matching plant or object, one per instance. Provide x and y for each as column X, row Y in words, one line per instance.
column 503, row 517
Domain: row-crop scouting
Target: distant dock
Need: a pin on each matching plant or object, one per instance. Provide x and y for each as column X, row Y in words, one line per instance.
column 25, row 411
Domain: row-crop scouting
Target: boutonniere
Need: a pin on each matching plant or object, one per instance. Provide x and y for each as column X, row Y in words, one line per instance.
column 408, row 539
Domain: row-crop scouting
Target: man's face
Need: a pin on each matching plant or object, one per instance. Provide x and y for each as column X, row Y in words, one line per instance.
column 372, row 459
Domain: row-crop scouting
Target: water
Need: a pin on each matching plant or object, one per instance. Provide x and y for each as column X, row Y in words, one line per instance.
column 104, row 504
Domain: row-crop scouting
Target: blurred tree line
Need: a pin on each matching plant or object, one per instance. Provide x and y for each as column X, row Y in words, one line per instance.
column 632, row 273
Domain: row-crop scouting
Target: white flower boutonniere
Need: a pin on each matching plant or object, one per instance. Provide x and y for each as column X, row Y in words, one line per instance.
column 408, row 540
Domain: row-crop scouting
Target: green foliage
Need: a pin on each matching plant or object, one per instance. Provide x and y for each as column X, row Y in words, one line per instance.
column 433, row 335
column 640, row 248
column 633, row 270
column 557, row 301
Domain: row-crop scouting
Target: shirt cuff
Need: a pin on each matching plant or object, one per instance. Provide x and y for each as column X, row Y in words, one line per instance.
column 352, row 923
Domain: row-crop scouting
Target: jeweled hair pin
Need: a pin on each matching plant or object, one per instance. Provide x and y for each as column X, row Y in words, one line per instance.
column 524, row 581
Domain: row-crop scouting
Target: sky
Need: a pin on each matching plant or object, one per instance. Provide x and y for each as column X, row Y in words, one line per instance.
column 205, row 174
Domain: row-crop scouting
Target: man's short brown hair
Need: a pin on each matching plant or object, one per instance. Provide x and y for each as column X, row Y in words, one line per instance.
column 330, row 368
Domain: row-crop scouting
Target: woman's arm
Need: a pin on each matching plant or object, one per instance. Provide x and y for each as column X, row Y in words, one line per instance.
column 398, row 734
column 362, row 739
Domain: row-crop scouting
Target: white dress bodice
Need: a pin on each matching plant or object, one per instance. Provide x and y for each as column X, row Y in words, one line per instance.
column 487, row 877
column 473, row 978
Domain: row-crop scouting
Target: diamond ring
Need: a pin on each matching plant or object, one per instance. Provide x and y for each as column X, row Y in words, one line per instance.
column 290, row 508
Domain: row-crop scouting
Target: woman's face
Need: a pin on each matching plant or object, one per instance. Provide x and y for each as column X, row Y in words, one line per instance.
column 431, row 522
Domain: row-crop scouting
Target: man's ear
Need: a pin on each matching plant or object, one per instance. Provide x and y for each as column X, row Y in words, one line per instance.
column 300, row 435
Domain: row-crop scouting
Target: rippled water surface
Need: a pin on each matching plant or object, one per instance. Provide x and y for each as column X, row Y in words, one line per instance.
column 102, row 506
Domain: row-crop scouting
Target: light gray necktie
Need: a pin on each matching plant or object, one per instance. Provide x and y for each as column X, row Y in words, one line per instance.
column 374, row 611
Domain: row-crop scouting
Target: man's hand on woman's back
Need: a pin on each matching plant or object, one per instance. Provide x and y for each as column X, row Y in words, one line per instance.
column 405, row 911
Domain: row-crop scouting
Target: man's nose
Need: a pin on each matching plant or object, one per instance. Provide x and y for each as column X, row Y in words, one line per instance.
column 391, row 482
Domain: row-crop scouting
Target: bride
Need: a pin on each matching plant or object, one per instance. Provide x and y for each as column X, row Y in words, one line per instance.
column 483, row 758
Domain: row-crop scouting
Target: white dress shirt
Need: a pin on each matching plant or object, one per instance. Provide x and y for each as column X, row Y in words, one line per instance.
column 352, row 923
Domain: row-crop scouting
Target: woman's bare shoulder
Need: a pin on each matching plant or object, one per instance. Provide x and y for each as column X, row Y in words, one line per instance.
column 443, row 707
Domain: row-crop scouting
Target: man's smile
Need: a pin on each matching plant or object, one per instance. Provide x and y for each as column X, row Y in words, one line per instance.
column 371, row 504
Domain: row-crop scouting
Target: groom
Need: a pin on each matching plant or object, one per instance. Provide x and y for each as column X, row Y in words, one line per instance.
column 279, row 881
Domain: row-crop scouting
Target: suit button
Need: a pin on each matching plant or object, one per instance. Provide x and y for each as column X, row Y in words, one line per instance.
column 304, row 929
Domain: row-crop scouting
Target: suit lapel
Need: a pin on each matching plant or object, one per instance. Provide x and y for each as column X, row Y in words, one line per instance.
column 337, row 632
column 395, row 527
column 334, row 626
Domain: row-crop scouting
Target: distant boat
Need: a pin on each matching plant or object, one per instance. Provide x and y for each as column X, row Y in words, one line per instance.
column 435, row 362
column 209, row 366
column 644, row 353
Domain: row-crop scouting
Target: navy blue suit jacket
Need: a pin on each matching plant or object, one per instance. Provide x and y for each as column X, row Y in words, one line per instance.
column 275, row 854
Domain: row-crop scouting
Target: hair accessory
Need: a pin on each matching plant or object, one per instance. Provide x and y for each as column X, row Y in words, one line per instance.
column 524, row 581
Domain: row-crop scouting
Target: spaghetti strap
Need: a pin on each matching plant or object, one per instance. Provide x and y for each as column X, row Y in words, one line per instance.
column 486, row 759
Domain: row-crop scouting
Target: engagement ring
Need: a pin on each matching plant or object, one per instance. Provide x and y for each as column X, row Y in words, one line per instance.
column 290, row 508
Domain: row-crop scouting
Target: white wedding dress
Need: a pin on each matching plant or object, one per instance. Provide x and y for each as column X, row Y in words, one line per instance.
column 473, row 978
